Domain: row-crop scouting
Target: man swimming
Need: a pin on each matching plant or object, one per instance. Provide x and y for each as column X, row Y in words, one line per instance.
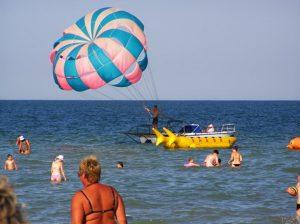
column 212, row 160
column 23, row 145
column 155, row 113
column 10, row 163
column 57, row 169
column 235, row 158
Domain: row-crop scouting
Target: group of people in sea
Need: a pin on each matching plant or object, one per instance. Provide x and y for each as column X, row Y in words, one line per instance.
column 213, row 160
column 24, row 148
column 95, row 202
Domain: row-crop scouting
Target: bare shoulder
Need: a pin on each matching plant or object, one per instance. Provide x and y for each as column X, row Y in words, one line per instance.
column 77, row 197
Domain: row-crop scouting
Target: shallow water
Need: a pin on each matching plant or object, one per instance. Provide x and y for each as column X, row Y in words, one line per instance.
column 155, row 186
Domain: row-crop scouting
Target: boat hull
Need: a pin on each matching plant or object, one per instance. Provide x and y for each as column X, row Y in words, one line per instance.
column 172, row 141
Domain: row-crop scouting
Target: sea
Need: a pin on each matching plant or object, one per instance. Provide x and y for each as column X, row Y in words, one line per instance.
column 155, row 186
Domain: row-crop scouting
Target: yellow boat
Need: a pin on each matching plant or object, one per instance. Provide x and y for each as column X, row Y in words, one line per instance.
column 195, row 139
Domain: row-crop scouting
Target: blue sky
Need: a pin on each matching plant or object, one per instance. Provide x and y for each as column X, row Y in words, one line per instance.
column 198, row 50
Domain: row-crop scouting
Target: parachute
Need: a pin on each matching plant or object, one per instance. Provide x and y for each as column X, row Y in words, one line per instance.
column 107, row 46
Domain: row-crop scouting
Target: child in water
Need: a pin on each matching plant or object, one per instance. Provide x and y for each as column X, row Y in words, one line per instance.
column 191, row 163
column 10, row 163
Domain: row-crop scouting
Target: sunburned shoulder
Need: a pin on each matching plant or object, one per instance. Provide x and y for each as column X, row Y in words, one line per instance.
column 77, row 196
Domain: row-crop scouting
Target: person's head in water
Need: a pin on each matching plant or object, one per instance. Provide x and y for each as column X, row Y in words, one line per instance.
column 216, row 152
column 9, row 157
column 235, row 148
column 22, row 139
column 190, row 160
column 90, row 169
column 155, row 106
column 120, row 165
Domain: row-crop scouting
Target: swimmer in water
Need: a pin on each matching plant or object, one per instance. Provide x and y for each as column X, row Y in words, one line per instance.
column 298, row 198
column 120, row 165
column 57, row 169
column 96, row 202
column 212, row 160
column 191, row 163
column 235, row 158
column 10, row 163
column 23, row 145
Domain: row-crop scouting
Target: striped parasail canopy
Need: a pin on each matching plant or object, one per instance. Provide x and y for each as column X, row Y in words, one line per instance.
column 107, row 46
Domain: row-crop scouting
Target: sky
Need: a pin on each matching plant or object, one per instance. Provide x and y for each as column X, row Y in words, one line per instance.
column 197, row 49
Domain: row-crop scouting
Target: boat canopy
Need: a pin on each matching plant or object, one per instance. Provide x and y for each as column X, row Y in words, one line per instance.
column 190, row 128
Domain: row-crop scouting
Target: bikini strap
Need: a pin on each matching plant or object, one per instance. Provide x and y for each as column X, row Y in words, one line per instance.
column 91, row 208
column 114, row 200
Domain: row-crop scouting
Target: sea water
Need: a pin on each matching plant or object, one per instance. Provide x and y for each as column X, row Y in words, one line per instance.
column 155, row 186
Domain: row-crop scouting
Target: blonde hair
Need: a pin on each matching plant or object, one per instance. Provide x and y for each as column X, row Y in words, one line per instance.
column 91, row 168
column 10, row 210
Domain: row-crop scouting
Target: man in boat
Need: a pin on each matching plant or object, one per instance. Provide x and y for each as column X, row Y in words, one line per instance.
column 154, row 113
column 210, row 129
column 23, row 145
column 235, row 158
column 212, row 159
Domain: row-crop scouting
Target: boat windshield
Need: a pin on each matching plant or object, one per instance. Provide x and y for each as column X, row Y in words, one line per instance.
column 191, row 128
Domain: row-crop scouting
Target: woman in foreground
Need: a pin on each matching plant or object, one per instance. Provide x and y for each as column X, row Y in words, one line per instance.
column 10, row 209
column 96, row 203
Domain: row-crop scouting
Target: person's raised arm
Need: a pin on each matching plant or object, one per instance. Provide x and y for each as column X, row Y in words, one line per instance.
column 29, row 146
column 120, row 210
column 77, row 211
column 63, row 171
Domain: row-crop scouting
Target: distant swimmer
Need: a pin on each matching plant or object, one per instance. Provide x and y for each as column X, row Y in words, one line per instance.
column 120, row 165
column 155, row 113
column 10, row 163
column 96, row 202
column 212, row 159
column 235, row 158
column 191, row 163
column 57, row 169
column 23, row 145
column 210, row 129
column 294, row 191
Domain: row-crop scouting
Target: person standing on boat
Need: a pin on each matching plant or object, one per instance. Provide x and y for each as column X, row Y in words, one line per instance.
column 235, row 158
column 154, row 113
